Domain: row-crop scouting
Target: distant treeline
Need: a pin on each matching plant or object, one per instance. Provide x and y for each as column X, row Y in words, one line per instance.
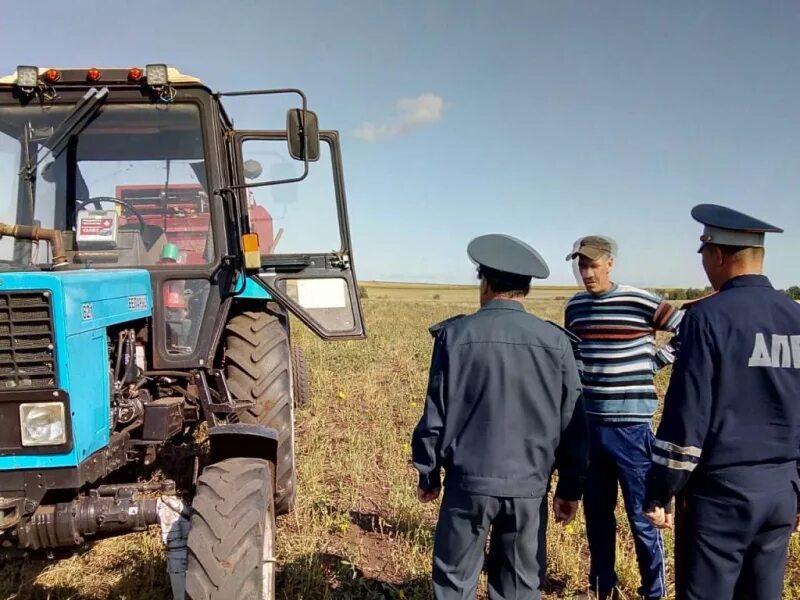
column 693, row 293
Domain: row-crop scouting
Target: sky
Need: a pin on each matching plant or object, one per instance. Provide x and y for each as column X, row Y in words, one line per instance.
column 542, row 120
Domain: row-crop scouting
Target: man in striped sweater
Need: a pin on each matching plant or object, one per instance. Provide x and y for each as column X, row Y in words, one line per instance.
column 617, row 325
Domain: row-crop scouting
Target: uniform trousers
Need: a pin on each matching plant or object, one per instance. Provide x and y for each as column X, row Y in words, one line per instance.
column 541, row 543
column 465, row 522
column 737, row 526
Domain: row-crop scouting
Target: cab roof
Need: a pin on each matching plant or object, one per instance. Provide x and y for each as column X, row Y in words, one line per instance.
column 77, row 75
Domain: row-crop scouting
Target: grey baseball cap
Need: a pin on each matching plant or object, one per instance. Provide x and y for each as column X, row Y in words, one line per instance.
column 593, row 247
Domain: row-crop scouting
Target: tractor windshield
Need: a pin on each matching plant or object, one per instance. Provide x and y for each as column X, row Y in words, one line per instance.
column 128, row 189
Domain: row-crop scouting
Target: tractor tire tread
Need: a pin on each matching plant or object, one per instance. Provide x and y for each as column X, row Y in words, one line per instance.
column 301, row 377
column 231, row 513
column 258, row 369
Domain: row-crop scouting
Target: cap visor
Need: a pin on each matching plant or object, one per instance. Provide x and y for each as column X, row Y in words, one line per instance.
column 590, row 253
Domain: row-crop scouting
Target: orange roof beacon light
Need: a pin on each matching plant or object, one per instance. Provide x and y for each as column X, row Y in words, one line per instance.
column 135, row 74
column 52, row 75
column 94, row 74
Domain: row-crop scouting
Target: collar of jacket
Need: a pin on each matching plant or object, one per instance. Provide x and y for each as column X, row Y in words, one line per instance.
column 746, row 281
column 503, row 304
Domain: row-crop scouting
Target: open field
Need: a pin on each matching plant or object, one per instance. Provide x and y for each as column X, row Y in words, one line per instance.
column 358, row 531
column 464, row 294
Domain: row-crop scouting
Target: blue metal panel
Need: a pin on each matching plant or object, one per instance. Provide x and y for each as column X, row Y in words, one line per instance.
column 84, row 304
column 253, row 291
column 89, row 391
column 114, row 297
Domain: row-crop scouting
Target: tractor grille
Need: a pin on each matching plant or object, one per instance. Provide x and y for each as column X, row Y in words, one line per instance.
column 27, row 360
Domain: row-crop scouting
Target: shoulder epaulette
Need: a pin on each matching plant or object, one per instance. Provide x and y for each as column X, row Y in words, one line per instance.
column 690, row 303
column 574, row 339
column 435, row 329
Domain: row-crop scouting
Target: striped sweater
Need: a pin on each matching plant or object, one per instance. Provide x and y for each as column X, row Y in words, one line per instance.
column 618, row 350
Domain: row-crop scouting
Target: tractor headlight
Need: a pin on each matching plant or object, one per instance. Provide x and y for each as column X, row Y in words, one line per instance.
column 157, row 75
column 27, row 76
column 43, row 424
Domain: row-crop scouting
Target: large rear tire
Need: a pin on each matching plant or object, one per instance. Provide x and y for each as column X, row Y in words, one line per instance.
column 258, row 369
column 231, row 546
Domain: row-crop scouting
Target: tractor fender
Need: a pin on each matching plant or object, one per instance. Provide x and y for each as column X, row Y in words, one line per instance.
column 242, row 440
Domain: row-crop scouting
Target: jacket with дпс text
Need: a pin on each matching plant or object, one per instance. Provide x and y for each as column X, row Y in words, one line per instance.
column 503, row 400
column 732, row 400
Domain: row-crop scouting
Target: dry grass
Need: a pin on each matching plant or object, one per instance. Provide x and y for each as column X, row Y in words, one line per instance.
column 357, row 531
column 453, row 294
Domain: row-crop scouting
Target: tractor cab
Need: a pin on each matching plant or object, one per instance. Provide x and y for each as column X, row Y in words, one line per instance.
column 123, row 169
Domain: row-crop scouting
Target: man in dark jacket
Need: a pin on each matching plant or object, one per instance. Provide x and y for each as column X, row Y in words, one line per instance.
column 730, row 431
column 503, row 400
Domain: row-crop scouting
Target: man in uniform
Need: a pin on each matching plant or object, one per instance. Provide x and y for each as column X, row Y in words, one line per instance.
column 730, row 430
column 503, row 399
column 680, row 506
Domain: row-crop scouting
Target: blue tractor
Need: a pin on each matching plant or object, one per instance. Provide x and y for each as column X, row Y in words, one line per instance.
column 147, row 375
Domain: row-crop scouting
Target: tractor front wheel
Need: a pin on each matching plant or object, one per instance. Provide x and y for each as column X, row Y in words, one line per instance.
column 231, row 546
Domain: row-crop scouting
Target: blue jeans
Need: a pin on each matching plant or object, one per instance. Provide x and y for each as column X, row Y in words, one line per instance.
column 620, row 454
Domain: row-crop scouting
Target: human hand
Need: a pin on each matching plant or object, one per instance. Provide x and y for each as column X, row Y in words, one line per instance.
column 659, row 518
column 564, row 510
column 425, row 496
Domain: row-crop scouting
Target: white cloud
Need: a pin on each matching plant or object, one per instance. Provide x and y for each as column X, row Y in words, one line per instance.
column 426, row 108
column 412, row 113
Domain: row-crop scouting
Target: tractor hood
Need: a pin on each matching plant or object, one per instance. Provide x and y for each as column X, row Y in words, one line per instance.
column 54, row 346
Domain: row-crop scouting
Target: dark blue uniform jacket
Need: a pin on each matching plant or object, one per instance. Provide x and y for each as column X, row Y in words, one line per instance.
column 503, row 401
column 734, row 395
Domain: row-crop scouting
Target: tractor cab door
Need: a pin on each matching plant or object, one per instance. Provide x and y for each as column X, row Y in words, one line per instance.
column 303, row 231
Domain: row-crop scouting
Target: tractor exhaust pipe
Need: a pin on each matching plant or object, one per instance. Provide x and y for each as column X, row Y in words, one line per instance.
column 66, row 523
column 35, row 233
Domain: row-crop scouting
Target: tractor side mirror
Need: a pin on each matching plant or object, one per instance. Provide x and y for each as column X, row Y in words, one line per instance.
column 297, row 123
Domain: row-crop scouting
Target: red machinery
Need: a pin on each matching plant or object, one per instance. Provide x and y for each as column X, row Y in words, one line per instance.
column 184, row 216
